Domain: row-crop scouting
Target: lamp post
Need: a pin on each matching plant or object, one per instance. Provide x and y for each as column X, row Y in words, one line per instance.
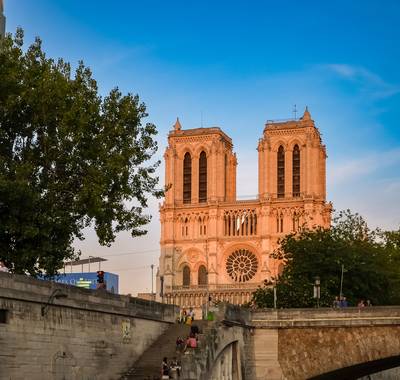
column 341, row 284
column 317, row 289
column 90, row 257
column 152, row 282
column 207, row 289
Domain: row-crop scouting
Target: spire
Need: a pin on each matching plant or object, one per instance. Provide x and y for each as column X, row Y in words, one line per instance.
column 2, row 20
column 177, row 125
column 306, row 115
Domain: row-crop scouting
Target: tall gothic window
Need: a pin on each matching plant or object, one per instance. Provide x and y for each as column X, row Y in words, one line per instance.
column 202, row 275
column 296, row 171
column 203, row 177
column 186, row 276
column 281, row 172
column 187, row 178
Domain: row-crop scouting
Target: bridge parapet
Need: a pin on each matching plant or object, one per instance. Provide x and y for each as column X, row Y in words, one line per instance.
column 326, row 317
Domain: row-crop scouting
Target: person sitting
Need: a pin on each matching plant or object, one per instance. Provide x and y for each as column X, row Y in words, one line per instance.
column 175, row 369
column 179, row 344
column 191, row 342
column 182, row 316
column 165, row 369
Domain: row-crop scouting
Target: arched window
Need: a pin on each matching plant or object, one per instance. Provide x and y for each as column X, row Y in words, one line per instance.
column 296, row 171
column 203, row 177
column 202, row 275
column 185, row 228
column 281, row 172
column 187, row 178
column 186, row 276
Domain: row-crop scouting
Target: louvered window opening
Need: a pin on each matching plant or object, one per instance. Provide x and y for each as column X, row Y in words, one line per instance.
column 202, row 275
column 203, row 177
column 281, row 172
column 240, row 223
column 296, row 171
column 186, row 276
column 187, row 178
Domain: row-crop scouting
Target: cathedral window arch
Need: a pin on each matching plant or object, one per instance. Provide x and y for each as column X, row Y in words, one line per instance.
column 187, row 178
column 279, row 222
column 281, row 172
column 186, row 276
column 202, row 275
column 296, row 171
column 203, row 177
column 185, row 227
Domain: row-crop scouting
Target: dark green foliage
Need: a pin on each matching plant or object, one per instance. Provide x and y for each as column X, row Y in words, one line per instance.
column 370, row 259
column 68, row 159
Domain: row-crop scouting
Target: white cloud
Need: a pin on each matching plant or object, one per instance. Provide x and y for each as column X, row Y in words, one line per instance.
column 367, row 81
column 345, row 171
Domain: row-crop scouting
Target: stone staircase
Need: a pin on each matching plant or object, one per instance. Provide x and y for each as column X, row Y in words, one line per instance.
column 148, row 366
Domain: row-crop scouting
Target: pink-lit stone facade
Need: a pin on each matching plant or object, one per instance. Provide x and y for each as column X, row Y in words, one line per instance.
column 213, row 244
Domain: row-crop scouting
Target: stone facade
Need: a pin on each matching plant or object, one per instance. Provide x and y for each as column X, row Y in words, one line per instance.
column 215, row 245
column 76, row 334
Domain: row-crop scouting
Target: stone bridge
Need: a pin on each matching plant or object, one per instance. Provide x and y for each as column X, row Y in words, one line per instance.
column 300, row 344
column 54, row 331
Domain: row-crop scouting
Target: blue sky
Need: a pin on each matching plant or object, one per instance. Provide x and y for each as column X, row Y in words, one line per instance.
column 236, row 64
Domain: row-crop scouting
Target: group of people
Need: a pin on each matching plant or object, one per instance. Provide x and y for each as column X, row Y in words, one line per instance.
column 171, row 370
column 186, row 316
column 340, row 302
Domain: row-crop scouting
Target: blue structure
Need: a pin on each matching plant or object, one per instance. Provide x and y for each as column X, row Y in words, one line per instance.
column 88, row 280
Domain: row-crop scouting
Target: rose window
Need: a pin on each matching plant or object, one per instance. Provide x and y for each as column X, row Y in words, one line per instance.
column 242, row 265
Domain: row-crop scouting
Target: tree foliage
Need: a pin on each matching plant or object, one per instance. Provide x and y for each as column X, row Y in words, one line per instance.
column 69, row 158
column 370, row 259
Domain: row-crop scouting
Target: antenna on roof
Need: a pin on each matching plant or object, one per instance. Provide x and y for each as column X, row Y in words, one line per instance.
column 201, row 119
column 295, row 112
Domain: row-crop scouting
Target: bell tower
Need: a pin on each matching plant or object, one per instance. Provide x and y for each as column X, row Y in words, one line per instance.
column 291, row 160
column 200, row 166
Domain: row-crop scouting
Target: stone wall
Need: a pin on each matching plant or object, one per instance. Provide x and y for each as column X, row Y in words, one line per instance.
column 299, row 344
column 76, row 334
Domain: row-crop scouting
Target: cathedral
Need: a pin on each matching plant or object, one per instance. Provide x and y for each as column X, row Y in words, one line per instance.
column 214, row 245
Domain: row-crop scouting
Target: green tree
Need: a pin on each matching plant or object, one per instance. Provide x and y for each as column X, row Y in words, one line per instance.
column 69, row 158
column 370, row 259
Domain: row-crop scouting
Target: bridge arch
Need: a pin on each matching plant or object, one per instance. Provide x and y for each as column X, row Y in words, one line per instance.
column 226, row 365
column 362, row 369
